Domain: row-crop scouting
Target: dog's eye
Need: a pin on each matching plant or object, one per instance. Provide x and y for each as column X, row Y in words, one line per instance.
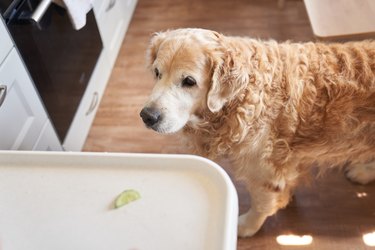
column 188, row 82
column 157, row 73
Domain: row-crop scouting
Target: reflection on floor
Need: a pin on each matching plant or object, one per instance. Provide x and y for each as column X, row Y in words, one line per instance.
column 329, row 213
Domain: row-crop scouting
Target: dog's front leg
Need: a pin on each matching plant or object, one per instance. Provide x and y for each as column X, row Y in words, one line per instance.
column 265, row 201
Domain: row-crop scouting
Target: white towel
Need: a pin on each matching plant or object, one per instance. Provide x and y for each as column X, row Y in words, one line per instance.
column 77, row 10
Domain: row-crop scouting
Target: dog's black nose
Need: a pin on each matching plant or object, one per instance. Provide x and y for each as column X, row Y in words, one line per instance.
column 150, row 116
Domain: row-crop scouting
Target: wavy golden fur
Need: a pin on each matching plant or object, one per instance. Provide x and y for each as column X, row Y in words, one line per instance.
column 277, row 108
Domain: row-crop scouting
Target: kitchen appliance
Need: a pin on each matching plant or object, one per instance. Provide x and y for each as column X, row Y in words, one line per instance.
column 60, row 59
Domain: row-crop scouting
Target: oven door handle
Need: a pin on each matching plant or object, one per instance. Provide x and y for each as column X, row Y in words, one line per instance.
column 40, row 10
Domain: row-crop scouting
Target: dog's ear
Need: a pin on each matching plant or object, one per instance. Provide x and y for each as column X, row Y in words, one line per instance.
column 215, row 99
column 228, row 79
column 153, row 48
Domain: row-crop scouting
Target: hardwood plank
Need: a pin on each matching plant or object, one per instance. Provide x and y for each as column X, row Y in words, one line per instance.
column 329, row 209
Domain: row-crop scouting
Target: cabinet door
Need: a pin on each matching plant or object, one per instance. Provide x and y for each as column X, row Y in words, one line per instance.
column 113, row 17
column 22, row 114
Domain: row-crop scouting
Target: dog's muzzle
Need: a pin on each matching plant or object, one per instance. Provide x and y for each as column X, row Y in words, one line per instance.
column 150, row 116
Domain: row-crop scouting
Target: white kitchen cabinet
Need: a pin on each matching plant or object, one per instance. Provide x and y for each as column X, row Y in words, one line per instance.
column 113, row 17
column 22, row 115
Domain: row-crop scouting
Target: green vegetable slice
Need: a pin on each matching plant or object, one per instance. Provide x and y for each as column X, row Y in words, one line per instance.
column 126, row 197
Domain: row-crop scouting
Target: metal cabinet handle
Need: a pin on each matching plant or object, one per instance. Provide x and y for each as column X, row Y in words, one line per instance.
column 3, row 93
column 111, row 4
column 94, row 103
column 40, row 10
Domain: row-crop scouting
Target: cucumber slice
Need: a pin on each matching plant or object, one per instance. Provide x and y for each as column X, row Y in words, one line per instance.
column 126, row 197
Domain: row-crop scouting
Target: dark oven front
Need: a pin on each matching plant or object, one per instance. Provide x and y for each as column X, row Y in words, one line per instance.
column 60, row 59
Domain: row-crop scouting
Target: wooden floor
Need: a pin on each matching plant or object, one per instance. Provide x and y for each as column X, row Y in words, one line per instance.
column 333, row 211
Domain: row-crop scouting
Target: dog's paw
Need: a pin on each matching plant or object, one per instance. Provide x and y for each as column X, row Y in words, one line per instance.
column 244, row 229
column 361, row 173
column 249, row 223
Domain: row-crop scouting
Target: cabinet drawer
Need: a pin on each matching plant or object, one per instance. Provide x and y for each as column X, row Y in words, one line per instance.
column 5, row 41
column 22, row 114
column 110, row 20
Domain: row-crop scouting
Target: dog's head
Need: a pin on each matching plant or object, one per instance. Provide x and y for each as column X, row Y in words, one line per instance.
column 188, row 66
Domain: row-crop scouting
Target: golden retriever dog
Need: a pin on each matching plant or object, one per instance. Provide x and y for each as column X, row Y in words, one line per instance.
column 275, row 109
